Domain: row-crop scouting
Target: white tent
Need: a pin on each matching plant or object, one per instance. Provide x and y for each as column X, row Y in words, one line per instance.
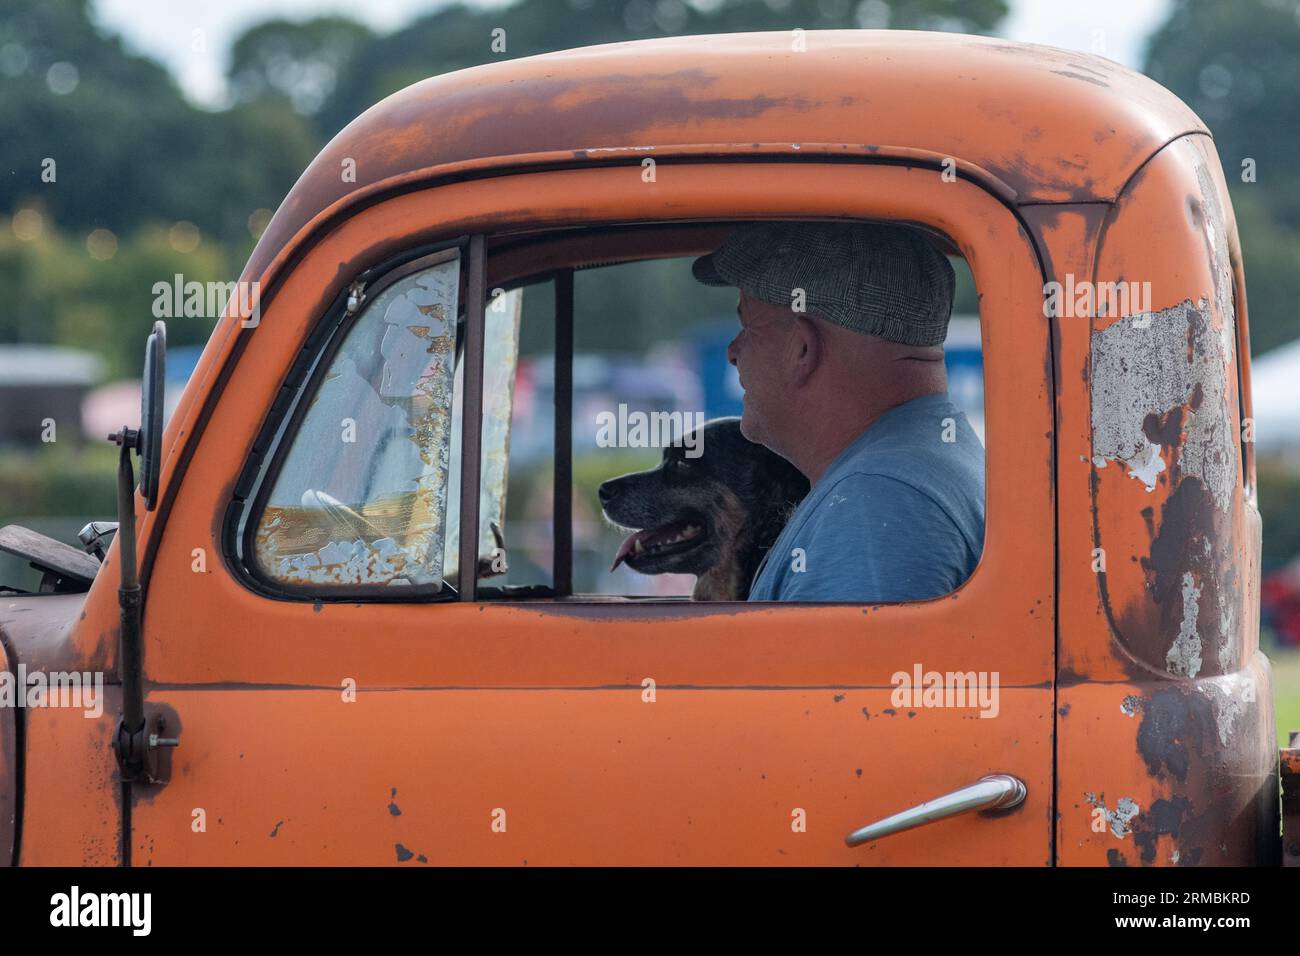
column 1275, row 388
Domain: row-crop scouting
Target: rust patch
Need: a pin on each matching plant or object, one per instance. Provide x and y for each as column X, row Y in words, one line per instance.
column 1175, row 727
column 1208, row 744
column 1165, row 818
column 1160, row 410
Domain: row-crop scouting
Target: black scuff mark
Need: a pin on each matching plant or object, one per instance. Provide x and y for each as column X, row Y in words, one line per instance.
column 1173, row 722
column 1165, row 818
column 276, row 831
column 1079, row 76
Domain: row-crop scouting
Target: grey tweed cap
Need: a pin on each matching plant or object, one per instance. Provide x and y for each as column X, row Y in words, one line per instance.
column 873, row 278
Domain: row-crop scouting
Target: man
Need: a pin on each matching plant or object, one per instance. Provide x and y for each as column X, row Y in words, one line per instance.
column 840, row 354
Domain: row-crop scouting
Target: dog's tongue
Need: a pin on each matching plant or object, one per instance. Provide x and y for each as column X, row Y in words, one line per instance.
column 629, row 545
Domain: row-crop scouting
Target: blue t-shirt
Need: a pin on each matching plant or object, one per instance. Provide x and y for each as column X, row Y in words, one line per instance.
column 898, row 515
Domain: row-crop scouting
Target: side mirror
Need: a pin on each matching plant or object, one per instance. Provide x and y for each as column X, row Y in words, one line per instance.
column 136, row 746
column 151, row 413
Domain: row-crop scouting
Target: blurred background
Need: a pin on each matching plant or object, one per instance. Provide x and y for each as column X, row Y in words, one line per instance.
column 177, row 128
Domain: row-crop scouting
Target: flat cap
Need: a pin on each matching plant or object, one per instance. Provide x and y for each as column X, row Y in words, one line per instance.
column 873, row 278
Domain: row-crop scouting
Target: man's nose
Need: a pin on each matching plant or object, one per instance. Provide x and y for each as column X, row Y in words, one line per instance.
column 731, row 350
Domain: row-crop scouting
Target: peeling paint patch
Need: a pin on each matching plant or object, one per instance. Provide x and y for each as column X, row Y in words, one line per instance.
column 1130, row 705
column 1121, row 818
column 1159, row 377
column 1184, row 657
column 1231, row 697
column 1227, row 647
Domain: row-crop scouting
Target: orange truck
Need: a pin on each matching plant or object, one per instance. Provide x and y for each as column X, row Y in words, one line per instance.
column 293, row 675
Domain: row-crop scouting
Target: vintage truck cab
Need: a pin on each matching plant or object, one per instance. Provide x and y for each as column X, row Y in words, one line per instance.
column 321, row 683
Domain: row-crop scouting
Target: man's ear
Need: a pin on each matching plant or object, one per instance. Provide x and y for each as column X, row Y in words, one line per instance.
column 803, row 350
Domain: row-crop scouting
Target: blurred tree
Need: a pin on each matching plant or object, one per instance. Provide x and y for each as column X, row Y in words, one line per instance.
column 299, row 62
column 105, row 138
column 1238, row 66
column 1270, row 253
column 1279, row 490
column 58, row 292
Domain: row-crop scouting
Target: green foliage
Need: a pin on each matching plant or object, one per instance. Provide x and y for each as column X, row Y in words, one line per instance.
column 58, row 293
column 296, row 62
column 1238, row 66
column 1279, row 507
column 59, row 480
column 127, row 147
column 1270, row 252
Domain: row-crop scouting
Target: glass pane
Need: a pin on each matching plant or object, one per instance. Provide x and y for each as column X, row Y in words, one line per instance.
column 500, row 358
column 361, row 496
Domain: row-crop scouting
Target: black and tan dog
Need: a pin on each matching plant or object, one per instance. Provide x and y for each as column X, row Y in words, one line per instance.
column 713, row 516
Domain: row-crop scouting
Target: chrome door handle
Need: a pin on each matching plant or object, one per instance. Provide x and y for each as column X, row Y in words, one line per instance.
column 999, row 791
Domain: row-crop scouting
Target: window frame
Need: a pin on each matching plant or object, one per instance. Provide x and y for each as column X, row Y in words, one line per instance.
column 284, row 421
column 308, row 373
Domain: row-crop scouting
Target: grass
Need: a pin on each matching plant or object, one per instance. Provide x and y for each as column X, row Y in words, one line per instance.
column 1286, row 691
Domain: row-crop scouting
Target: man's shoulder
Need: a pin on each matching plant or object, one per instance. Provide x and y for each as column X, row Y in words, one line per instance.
column 932, row 449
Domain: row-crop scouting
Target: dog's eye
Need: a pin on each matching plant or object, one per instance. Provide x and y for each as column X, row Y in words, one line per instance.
column 682, row 464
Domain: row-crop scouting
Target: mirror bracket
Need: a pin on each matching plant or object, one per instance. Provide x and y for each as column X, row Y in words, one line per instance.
column 137, row 749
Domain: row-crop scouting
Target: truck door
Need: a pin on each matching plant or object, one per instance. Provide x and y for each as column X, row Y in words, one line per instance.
column 343, row 696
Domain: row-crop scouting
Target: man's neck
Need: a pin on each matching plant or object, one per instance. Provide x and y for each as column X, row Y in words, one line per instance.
column 828, row 439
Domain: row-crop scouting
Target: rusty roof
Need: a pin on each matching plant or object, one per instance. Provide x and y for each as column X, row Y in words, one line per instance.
column 1047, row 125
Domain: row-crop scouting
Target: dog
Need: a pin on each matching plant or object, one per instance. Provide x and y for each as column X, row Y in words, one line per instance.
column 714, row 516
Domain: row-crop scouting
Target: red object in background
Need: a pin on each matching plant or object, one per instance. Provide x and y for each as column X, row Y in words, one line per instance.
column 1279, row 600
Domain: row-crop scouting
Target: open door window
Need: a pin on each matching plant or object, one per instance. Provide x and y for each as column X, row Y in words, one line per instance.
column 500, row 362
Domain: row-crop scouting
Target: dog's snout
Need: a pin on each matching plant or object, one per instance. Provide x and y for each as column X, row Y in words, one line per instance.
column 606, row 492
